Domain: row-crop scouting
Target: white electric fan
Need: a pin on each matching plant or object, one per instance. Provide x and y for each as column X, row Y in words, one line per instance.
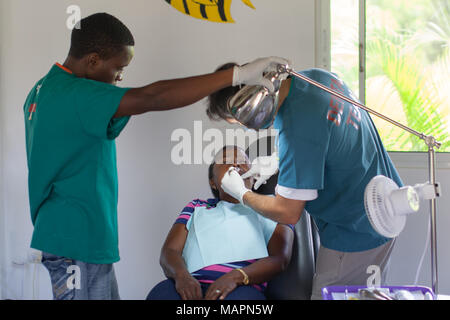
column 387, row 205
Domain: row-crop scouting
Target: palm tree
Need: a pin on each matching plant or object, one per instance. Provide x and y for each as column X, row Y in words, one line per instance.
column 408, row 86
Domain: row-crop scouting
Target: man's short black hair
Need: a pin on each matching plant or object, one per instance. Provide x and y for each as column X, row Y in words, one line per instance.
column 217, row 102
column 99, row 33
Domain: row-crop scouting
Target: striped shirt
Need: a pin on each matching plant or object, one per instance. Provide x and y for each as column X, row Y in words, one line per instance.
column 211, row 273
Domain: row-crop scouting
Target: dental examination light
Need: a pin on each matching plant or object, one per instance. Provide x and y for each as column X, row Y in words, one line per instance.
column 253, row 106
column 386, row 205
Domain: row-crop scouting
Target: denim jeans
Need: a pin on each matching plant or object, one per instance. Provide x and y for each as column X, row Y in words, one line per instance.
column 165, row 290
column 76, row 280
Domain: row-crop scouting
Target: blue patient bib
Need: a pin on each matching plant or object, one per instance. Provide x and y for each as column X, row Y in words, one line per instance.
column 227, row 233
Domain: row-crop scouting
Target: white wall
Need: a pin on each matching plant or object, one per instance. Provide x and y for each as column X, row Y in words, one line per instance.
column 152, row 190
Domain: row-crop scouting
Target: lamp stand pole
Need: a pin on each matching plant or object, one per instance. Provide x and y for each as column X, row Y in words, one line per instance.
column 429, row 141
column 434, row 265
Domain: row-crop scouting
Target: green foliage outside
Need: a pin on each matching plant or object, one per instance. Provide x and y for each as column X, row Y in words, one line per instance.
column 407, row 65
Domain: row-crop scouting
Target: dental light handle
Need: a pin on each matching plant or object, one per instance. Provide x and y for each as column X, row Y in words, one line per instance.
column 430, row 141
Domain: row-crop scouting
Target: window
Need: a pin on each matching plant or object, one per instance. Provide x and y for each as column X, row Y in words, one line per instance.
column 395, row 55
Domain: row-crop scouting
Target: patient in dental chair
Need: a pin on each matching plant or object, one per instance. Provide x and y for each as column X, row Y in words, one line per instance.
column 219, row 248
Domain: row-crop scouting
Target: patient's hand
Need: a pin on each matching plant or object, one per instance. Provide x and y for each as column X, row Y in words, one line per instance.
column 188, row 287
column 220, row 288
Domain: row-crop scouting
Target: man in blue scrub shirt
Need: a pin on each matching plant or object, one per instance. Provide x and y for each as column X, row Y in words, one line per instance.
column 72, row 117
column 329, row 150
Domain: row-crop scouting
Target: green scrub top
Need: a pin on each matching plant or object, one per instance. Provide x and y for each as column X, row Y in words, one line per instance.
column 72, row 172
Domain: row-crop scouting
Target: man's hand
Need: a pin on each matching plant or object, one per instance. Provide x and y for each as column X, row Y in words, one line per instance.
column 262, row 169
column 233, row 184
column 253, row 72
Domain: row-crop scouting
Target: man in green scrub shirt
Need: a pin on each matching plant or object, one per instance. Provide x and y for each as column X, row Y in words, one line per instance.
column 72, row 117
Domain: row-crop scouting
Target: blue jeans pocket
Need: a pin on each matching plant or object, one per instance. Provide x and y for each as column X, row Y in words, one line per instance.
column 58, row 268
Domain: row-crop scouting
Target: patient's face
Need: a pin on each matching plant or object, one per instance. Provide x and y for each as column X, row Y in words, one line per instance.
column 230, row 157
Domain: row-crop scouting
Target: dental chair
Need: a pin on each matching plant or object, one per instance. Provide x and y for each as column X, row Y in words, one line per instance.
column 295, row 282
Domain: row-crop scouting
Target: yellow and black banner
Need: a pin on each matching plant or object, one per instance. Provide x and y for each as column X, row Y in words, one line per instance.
column 210, row 10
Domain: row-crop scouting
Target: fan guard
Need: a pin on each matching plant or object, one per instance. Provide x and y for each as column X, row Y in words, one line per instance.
column 379, row 208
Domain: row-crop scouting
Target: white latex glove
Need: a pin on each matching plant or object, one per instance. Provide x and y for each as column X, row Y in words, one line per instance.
column 262, row 169
column 233, row 184
column 252, row 73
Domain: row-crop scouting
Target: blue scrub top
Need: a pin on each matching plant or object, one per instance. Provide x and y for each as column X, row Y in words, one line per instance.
column 331, row 146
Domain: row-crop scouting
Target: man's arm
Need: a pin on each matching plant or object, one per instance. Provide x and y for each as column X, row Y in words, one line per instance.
column 277, row 208
column 177, row 93
column 172, row 94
